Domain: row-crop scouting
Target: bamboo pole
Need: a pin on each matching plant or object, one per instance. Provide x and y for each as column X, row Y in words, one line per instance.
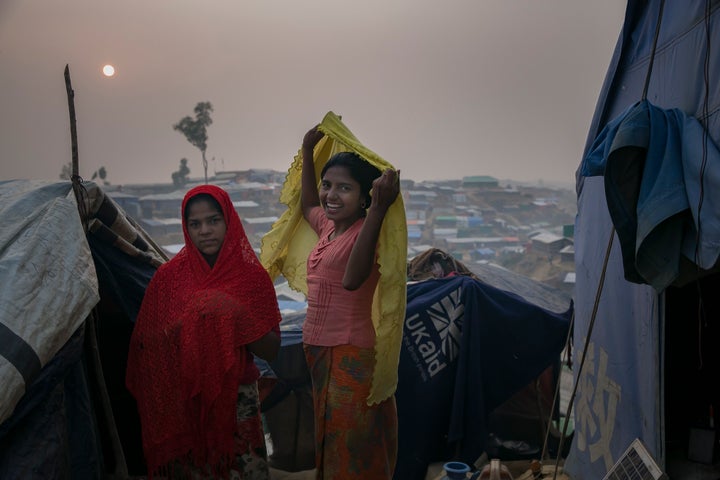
column 73, row 122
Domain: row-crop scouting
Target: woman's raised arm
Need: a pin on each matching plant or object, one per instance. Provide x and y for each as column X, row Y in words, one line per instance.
column 309, row 197
column 362, row 257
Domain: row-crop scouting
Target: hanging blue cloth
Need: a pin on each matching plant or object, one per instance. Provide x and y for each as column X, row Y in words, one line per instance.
column 651, row 159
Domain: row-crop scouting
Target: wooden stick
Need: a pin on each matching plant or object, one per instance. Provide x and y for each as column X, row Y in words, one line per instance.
column 73, row 122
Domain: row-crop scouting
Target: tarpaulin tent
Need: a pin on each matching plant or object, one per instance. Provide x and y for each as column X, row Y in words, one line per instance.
column 71, row 283
column 647, row 191
column 469, row 346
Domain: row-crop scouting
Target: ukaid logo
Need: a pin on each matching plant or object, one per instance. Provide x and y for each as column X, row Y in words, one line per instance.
column 432, row 334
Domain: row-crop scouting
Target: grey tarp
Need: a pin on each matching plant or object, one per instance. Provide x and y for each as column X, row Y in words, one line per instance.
column 47, row 281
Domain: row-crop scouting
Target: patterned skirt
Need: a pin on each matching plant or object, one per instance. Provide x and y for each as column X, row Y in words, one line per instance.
column 352, row 440
column 251, row 459
column 250, row 450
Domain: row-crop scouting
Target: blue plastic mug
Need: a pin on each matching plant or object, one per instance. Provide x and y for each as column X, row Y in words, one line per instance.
column 455, row 471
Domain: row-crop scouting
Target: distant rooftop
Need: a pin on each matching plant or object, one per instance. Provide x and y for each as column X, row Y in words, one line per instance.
column 245, row 204
column 480, row 180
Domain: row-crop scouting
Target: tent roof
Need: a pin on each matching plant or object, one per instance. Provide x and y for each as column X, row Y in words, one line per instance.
column 48, row 271
column 532, row 291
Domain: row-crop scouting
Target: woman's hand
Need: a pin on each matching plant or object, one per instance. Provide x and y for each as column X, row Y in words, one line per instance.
column 385, row 189
column 311, row 138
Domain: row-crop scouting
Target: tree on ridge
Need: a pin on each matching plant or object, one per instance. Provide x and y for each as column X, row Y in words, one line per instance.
column 195, row 130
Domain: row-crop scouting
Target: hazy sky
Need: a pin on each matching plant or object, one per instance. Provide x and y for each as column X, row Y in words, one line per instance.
column 440, row 88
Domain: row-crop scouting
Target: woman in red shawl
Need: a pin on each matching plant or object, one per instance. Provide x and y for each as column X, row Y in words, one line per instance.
column 190, row 365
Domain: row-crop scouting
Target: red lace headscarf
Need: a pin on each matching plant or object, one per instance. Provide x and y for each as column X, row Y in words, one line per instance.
column 187, row 350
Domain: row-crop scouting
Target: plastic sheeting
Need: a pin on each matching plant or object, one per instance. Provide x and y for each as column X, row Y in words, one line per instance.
column 48, row 284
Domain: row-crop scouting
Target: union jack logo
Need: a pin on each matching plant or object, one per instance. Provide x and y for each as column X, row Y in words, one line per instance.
column 447, row 316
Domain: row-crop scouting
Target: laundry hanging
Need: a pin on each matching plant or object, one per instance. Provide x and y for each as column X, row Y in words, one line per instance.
column 651, row 160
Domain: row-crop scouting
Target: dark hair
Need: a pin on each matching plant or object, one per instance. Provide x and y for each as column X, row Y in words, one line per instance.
column 360, row 170
column 198, row 198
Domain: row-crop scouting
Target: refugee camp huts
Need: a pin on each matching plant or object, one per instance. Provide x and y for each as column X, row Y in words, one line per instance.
column 480, row 181
column 162, row 205
column 246, row 208
column 128, row 202
column 248, row 176
column 261, row 192
column 647, row 238
column 163, row 227
column 567, row 254
column 258, row 225
column 547, row 242
column 420, row 200
column 71, row 283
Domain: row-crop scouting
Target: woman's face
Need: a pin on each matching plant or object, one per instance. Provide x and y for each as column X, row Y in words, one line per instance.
column 206, row 227
column 340, row 196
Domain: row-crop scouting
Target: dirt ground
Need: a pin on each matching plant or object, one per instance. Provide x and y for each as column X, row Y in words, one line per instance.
column 520, row 470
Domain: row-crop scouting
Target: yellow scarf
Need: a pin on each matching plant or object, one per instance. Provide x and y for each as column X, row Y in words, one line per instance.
column 286, row 247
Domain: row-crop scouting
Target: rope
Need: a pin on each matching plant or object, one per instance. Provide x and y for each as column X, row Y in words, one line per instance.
column 702, row 319
column 654, row 48
column 593, row 316
column 82, row 199
column 556, row 396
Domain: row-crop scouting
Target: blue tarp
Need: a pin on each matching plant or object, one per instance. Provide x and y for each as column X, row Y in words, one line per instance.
column 467, row 347
column 621, row 390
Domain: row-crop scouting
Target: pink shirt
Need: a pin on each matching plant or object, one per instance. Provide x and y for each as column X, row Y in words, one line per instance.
column 336, row 316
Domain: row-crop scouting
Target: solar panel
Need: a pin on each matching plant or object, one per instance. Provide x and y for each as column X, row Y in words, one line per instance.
column 636, row 464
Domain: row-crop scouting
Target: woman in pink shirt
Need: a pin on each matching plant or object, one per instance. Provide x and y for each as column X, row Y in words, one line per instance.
column 353, row 439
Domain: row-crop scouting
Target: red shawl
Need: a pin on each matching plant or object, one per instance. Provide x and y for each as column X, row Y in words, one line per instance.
column 187, row 350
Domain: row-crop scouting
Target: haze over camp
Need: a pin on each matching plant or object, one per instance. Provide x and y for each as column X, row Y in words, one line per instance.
column 442, row 89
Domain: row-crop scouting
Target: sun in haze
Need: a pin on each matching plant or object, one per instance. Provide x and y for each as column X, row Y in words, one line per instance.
column 108, row 70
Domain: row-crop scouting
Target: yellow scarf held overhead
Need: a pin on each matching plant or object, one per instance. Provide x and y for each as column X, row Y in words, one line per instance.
column 286, row 247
